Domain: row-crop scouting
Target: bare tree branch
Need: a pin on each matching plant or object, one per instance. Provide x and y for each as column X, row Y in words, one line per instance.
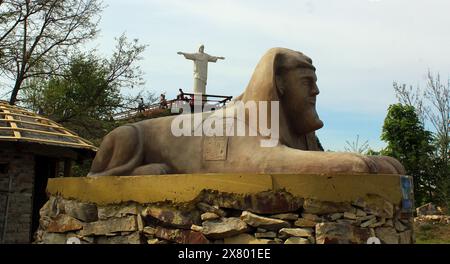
column 409, row 96
column 36, row 36
column 438, row 95
column 356, row 147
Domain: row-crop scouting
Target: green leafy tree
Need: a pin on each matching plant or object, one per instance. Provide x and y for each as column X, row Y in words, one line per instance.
column 82, row 100
column 410, row 143
column 372, row 152
column 86, row 95
column 432, row 104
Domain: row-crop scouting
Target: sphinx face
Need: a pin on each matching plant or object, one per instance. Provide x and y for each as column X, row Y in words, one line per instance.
column 299, row 100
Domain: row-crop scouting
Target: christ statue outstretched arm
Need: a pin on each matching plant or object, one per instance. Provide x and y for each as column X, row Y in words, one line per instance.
column 189, row 56
column 214, row 58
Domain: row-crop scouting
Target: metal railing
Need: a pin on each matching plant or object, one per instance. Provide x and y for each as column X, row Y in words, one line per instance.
column 216, row 102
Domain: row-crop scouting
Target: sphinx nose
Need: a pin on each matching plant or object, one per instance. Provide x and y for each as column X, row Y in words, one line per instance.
column 315, row 90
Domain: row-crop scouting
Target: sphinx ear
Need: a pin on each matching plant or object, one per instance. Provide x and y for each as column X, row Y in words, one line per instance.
column 278, row 74
column 279, row 84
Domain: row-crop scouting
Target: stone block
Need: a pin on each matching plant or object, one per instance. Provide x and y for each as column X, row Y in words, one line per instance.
column 269, row 234
column 286, row 216
column 312, row 217
column 105, row 212
column 209, row 216
column 297, row 240
column 140, row 222
column 196, row 228
column 50, row 208
column 148, row 230
column 377, row 205
column 295, row 232
column 387, row 235
column 270, row 202
column 172, row 217
column 204, row 207
column 303, row 222
column 181, row 236
column 54, row 238
column 223, row 227
column 335, row 216
column 389, row 223
column 313, row 206
column 112, row 225
column 365, row 218
column 64, row 223
column 360, row 213
column 263, row 222
column 369, row 222
column 341, row 233
column 379, row 223
column 348, row 215
column 86, row 212
column 399, row 226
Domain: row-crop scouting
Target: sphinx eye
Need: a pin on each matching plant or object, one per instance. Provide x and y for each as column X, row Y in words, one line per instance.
column 306, row 81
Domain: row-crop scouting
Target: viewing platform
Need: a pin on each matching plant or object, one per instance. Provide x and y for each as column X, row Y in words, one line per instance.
column 214, row 101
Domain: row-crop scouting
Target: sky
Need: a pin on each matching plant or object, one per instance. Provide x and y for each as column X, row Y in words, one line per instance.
column 359, row 48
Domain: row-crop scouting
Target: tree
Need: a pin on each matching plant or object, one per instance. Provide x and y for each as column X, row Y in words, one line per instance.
column 36, row 36
column 85, row 96
column 407, row 95
column 82, row 100
column 438, row 95
column 433, row 104
column 356, row 147
column 372, row 152
column 410, row 143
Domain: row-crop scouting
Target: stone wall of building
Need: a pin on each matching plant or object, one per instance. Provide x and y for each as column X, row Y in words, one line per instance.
column 269, row 217
column 16, row 191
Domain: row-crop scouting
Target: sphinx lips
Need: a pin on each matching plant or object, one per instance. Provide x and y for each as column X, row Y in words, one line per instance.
column 312, row 100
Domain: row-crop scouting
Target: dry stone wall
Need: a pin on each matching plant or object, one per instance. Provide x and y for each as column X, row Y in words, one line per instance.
column 272, row 217
column 16, row 191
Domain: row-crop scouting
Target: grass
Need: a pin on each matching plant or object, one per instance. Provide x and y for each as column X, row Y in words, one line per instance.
column 429, row 233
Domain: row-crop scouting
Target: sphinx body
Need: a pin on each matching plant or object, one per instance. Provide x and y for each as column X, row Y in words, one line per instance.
column 150, row 146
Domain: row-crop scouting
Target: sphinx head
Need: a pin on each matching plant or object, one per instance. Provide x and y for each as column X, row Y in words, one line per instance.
column 296, row 84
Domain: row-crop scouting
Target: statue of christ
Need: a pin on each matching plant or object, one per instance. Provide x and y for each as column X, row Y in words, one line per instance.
column 201, row 60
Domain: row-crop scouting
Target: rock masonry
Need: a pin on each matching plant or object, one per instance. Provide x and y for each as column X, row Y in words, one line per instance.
column 430, row 213
column 224, row 218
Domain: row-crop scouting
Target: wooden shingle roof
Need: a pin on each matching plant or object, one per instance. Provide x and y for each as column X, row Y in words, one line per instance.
column 20, row 125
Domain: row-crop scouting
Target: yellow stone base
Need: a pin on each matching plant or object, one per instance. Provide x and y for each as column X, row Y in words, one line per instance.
column 185, row 187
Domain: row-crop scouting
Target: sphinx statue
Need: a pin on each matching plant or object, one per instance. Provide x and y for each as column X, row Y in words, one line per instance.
column 282, row 75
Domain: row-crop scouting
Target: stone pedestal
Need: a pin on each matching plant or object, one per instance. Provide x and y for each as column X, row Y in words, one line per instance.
column 224, row 208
